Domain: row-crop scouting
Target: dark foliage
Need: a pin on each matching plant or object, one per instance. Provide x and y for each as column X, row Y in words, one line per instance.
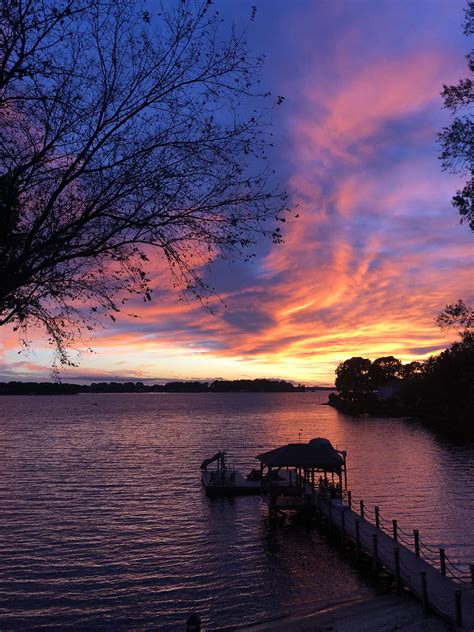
column 218, row 386
column 124, row 135
column 440, row 390
column 456, row 315
column 254, row 386
column 457, row 140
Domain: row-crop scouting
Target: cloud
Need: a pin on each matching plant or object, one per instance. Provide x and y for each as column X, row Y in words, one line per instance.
column 377, row 250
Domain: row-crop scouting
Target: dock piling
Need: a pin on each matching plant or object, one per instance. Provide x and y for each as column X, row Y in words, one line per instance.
column 424, row 591
column 442, row 561
column 357, row 526
column 471, row 568
column 398, row 579
column 343, row 526
column 416, row 537
column 395, row 530
column 457, row 599
column 377, row 517
column 349, row 499
column 362, row 509
column 376, row 552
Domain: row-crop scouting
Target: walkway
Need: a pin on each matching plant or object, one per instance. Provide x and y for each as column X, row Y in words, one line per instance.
column 449, row 598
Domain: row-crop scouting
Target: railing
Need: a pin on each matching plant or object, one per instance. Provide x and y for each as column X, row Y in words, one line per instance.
column 385, row 552
column 434, row 555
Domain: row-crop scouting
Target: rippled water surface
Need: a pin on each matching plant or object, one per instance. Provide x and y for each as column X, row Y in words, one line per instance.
column 104, row 525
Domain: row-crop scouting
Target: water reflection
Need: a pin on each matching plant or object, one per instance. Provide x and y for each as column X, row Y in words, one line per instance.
column 104, row 522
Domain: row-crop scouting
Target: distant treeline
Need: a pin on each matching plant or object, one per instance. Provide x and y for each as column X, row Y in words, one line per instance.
column 217, row 386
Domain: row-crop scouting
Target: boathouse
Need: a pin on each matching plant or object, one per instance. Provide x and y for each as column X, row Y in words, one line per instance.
column 291, row 473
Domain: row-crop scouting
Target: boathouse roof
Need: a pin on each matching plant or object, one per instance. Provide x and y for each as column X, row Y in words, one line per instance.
column 318, row 453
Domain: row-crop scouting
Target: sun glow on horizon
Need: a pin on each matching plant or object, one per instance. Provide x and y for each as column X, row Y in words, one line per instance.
column 376, row 251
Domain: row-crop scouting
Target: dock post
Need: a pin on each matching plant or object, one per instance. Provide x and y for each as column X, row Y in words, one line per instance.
column 442, row 561
column 343, row 526
column 398, row 580
column 193, row 623
column 416, row 537
column 349, row 499
column 424, row 591
column 376, row 551
column 457, row 599
column 357, row 525
column 362, row 509
column 471, row 567
column 395, row 530
column 377, row 517
column 330, row 517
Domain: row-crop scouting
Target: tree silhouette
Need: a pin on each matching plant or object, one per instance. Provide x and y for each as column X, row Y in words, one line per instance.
column 353, row 377
column 384, row 370
column 457, row 140
column 456, row 315
column 123, row 135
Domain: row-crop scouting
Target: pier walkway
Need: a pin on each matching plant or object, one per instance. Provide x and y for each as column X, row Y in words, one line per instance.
column 445, row 595
column 289, row 476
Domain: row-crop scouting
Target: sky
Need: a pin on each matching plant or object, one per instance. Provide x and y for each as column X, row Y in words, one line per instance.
column 377, row 250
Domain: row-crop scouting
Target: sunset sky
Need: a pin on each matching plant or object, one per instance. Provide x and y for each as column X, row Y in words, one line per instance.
column 377, row 249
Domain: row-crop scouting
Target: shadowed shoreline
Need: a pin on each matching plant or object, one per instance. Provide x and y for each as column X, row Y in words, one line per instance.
column 217, row 386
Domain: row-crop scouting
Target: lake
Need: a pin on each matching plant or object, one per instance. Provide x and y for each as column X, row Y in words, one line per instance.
column 104, row 523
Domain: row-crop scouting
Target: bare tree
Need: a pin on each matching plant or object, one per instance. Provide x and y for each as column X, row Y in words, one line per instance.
column 123, row 132
column 457, row 140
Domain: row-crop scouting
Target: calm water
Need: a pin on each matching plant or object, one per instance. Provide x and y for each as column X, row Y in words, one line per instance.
column 104, row 525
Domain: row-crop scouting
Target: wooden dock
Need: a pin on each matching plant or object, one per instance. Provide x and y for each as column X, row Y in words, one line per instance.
column 312, row 477
column 450, row 597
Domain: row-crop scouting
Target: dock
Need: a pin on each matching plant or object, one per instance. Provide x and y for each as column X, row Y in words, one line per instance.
column 291, row 483
column 383, row 613
column 449, row 595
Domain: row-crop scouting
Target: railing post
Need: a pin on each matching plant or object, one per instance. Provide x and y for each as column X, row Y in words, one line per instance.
column 376, row 551
column 343, row 526
column 416, row 537
column 424, row 591
column 377, row 517
column 344, row 454
column 471, row 566
column 357, row 525
column 362, row 509
column 395, row 530
column 349, row 499
column 442, row 561
column 398, row 580
column 457, row 599
column 193, row 623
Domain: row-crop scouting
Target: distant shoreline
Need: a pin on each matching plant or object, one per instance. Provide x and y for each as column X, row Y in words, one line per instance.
column 217, row 386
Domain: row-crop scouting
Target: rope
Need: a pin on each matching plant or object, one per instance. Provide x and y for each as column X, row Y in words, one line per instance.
column 460, row 570
column 435, row 560
column 463, row 580
column 400, row 530
column 428, row 547
column 402, row 539
column 382, row 519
